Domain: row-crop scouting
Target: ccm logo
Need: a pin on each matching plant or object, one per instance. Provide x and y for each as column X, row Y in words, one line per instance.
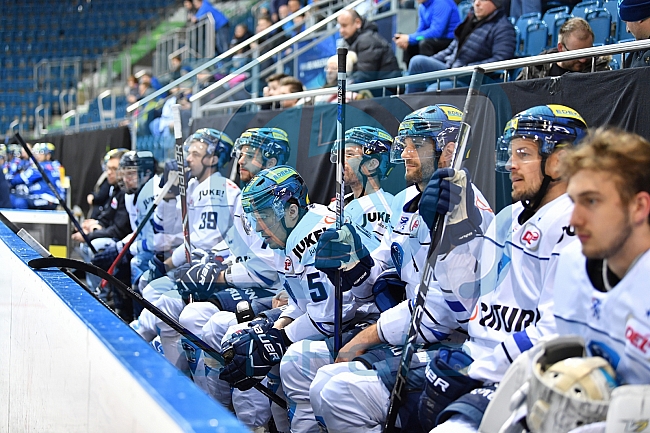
column 637, row 339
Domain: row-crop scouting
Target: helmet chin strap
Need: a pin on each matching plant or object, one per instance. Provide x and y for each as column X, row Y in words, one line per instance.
column 531, row 206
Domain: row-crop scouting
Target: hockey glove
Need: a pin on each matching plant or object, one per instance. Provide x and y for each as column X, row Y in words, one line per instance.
column 343, row 249
column 446, row 380
column 105, row 258
column 464, row 222
column 157, row 268
column 389, row 290
column 251, row 353
column 200, row 281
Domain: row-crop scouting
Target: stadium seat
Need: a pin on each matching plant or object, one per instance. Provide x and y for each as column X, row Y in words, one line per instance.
column 463, row 8
column 533, row 40
column 522, row 28
column 612, row 7
column 580, row 10
column 554, row 18
column 601, row 24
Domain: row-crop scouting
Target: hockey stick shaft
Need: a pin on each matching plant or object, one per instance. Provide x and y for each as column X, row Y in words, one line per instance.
column 180, row 162
column 340, row 190
column 399, row 390
column 56, row 192
column 75, row 264
column 173, row 176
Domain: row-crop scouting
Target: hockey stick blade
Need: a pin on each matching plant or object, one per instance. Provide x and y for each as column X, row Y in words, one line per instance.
column 92, row 269
column 437, row 231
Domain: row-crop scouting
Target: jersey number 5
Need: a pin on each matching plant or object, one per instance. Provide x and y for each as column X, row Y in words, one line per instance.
column 208, row 220
column 316, row 288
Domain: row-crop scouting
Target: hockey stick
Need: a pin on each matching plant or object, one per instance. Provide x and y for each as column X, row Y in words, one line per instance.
column 399, row 390
column 40, row 249
column 56, row 193
column 173, row 176
column 87, row 267
column 340, row 192
column 180, row 162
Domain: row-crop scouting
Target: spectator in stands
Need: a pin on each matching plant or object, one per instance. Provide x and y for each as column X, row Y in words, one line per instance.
column 331, row 80
column 221, row 25
column 635, row 13
column 272, row 88
column 296, row 25
column 436, row 24
column 375, row 57
column 574, row 34
column 485, row 36
column 175, row 68
column 189, row 8
column 276, row 5
column 131, row 91
column 241, row 34
column 290, row 85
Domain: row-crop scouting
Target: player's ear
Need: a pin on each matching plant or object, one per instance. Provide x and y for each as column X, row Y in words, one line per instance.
column 553, row 163
column 640, row 208
column 291, row 215
column 271, row 162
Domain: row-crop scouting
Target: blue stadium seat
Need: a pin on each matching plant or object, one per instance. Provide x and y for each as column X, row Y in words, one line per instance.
column 463, row 8
column 535, row 40
column 522, row 27
column 612, row 7
column 601, row 24
column 581, row 9
column 554, row 18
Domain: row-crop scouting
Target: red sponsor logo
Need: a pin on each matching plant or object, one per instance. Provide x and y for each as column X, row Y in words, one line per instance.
column 287, row 264
column 637, row 339
column 329, row 220
column 415, row 223
column 530, row 236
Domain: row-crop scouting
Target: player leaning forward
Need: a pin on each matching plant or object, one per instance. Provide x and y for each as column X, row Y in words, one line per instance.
column 425, row 140
column 514, row 294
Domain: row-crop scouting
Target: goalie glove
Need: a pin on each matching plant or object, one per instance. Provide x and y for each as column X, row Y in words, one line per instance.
column 250, row 353
column 343, row 249
column 199, row 281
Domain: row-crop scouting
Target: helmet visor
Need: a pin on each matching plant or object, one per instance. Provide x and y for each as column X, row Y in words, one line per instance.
column 410, row 146
column 516, row 149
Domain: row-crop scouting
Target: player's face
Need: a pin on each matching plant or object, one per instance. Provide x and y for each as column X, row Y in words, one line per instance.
column 40, row 156
column 250, row 163
column 129, row 177
column 600, row 218
column 353, row 155
column 194, row 158
column 111, row 170
column 418, row 158
column 524, row 166
column 268, row 225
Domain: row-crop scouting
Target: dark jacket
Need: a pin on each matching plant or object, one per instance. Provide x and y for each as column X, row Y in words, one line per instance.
column 492, row 40
column 114, row 219
column 541, row 71
column 637, row 59
column 376, row 59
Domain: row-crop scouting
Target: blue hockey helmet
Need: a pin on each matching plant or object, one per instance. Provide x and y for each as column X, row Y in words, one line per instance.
column 272, row 143
column 143, row 162
column 275, row 188
column 423, row 125
column 218, row 144
column 551, row 126
column 375, row 143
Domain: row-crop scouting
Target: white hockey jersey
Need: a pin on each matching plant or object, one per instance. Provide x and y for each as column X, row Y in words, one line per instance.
column 372, row 212
column 210, row 210
column 137, row 211
column 614, row 324
column 311, row 293
column 513, row 298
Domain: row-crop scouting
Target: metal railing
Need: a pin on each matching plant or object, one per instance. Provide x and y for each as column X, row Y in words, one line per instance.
column 221, row 57
column 450, row 74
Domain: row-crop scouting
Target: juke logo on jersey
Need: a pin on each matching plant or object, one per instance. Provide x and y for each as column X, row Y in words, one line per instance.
column 372, row 217
column 208, row 192
column 310, row 240
column 511, row 319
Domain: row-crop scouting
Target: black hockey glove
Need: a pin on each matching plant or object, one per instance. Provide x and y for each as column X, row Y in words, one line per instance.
column 200, row 281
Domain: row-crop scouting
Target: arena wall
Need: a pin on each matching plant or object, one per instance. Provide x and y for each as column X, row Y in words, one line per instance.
column 70, row 365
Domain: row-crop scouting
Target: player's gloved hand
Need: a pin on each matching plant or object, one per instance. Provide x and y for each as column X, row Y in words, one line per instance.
column 202, row 256
column 251, row 353
column 170, row 165
column 199, row 281
column 440, row 196
column 157, row 268
column 105, row 258
column 465, row 219
column 343, row 249
column 445, row 380
column 389, row 289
